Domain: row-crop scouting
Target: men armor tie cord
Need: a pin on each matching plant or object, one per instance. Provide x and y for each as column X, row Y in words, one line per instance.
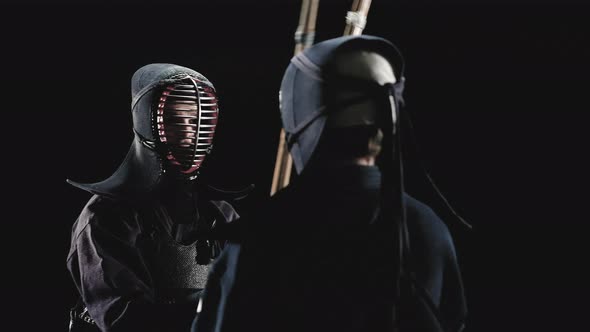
column 142, row 245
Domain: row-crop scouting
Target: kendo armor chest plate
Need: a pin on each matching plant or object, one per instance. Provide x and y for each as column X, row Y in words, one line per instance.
column 175, row 268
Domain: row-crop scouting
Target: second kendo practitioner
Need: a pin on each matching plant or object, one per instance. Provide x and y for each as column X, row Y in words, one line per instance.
column 343, row 248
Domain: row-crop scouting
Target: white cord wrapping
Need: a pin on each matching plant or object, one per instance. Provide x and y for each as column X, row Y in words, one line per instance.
column 356, row 19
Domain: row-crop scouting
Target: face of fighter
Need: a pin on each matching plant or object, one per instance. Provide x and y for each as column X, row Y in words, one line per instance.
column 359, row 66
column 185, row 116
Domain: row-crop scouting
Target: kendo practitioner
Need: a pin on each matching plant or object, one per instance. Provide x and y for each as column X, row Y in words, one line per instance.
column 141, row 249
column 343, row 248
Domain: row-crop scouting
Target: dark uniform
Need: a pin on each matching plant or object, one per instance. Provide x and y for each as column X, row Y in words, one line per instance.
column 136, row 268
column 305, row 265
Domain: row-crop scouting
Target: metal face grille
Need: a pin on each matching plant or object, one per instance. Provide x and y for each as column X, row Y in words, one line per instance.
column 185, row 121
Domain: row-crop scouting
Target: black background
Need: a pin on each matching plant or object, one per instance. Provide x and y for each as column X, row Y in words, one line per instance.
column 497, row 92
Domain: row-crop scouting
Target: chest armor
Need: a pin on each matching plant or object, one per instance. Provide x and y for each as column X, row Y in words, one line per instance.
column 175, row 271
column 178, row 270
column 175, row 265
